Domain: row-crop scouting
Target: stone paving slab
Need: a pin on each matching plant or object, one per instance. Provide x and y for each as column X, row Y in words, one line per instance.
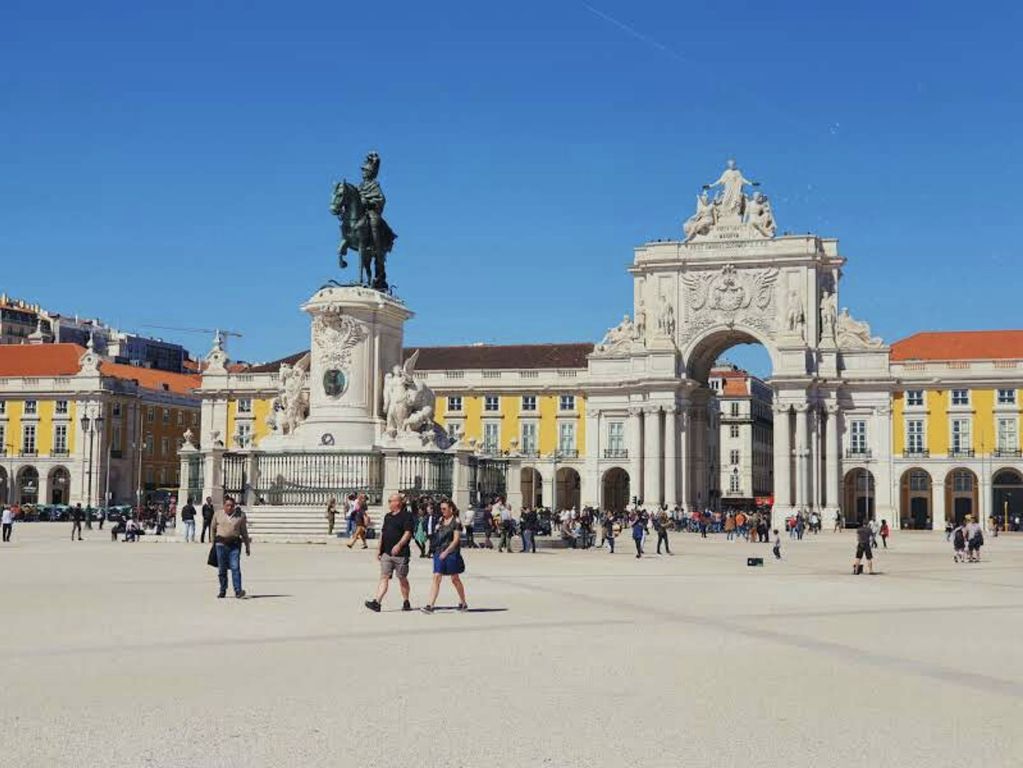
column 569, row 658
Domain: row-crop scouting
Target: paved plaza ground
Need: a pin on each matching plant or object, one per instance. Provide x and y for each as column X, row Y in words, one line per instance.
column 120, row 655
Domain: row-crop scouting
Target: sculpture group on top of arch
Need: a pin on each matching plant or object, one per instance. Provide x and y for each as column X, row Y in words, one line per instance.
column 731, row 213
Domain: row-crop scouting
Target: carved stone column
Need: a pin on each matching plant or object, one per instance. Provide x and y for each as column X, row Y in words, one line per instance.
column 652, row 464
column 938, row 504
column 801, row 455
column 635, row 446
column 832, row 462
column 782, row 460
column 685, row 457
column 670, row 455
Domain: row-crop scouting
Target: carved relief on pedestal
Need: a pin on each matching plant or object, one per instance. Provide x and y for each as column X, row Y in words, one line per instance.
column 334, row 337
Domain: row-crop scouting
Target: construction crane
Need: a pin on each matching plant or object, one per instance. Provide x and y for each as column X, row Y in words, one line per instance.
column 219, row 335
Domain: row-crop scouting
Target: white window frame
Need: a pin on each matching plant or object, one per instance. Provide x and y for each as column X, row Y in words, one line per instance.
column 912, row 435
column 28, row 439
column 491, row 436
column 566, row 403
column 914, row 398
column 529, row 403
column 1007, row 439
column 60, row 407
column 566, row 436
column 616, row 437
column 960, row 397
column 455, row 430
column 60, row 437
column 733, row 430
column 454, row 403
column 735, row 457
column 960, row 434
column 3, row 407
column 491, row 404
column 31, row 407
column 245, row 405
column 858, row 436
column 1006, row 397
column 734, row 483
column 244, row 434
column 529, row 438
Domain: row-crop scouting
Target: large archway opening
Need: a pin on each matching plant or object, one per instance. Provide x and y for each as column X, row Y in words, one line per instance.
column 915, row 504
column 731, row 422
column 614, row 494
column 1007, row 499
column 28, row 486
column 858, row 506
column 531, row 484
column 60, row 483
column 567, row 489
column 961, row 495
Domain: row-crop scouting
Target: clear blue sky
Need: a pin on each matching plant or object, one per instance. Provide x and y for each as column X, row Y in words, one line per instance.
column 174, row 165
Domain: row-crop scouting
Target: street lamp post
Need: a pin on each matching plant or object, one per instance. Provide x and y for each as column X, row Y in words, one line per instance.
column 91, row 422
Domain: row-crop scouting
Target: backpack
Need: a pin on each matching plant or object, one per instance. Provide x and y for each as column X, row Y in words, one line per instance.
column 959, row 540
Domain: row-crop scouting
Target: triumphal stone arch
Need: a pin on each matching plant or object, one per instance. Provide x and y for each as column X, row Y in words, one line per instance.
column 730, row 279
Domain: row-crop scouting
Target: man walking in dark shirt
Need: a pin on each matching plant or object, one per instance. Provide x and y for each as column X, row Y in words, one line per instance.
column 188, row 518
column 76, row 521
column 393, row 551
column 863, row 547
column 207, row 518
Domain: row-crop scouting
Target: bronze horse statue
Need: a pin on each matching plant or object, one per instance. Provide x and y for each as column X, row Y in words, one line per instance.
column 357, row 235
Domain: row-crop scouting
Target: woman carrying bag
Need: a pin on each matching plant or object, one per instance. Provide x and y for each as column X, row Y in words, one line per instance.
column 447, row 556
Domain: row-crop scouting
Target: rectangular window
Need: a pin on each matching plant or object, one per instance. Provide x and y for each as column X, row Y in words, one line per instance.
column 60, row 438
column 491, row 403
column 915, row 436
column 3, row 439
column 162, row 476
column 455, row 431
column 115, row 437
column 31, row 407
column 1008, row 438
column 116, row 409
column 3, row 406
column 244, row 435
column 735, row 409
column 566, row 403
column 149, row 476
column 148, row 445
column 28, row 439
column 734, row 484
column 491, row 437
column 858, row 436
column 915, row 397
column 529, row 402
column 195, row 418
column 962, row 480
column 733, row 456
column 616, row 438
column 166, row 415
column 1007, row 397
column 733, row 430
column 960, row 397
column 181, row 418
column 164, row 446
column 150, row 415
column 960, row 435
column 529, row 443
column 60, row 407
column 566, row 437
column 455, row 403
column 245, row 405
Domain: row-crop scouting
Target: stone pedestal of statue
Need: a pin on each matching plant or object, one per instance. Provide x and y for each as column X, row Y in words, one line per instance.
column 356, row 338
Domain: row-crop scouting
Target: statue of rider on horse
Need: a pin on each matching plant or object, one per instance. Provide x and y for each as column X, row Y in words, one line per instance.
column 363, row 229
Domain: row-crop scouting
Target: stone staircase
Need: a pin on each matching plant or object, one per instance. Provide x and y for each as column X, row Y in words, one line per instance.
column 300, row 525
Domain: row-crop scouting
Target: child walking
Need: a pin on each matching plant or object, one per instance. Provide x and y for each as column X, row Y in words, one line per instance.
column 777, row 545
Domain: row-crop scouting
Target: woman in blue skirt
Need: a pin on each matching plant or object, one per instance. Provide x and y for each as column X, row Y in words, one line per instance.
column 447, row 556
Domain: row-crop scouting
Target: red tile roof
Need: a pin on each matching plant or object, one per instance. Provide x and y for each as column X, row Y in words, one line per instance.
column 39, row 359
column 62, row 360
column 960, row 345
column 150, row 378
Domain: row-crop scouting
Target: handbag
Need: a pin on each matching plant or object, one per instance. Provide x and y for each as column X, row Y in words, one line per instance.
column 211, row 559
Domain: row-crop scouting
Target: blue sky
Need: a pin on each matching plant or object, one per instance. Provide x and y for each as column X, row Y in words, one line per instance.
column 173, row 164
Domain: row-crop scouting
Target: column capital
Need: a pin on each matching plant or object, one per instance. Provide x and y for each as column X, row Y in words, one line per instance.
column 635, row 410
column 780, row 408
column 832, row 408
column 651, row 409
column 672, row 409
column 801, row 407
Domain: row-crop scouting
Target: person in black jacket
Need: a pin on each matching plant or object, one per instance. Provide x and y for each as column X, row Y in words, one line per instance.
column 188, row 518
column 529, row 522
column 207, row 518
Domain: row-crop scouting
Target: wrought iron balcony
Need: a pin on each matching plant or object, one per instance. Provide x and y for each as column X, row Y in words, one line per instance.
column 1007, row 452
column 859, row 454
column 961, row 453
column 60, row 453
column 566, row 454
column 616, row 453
column 32, row 453
column 916, row 453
